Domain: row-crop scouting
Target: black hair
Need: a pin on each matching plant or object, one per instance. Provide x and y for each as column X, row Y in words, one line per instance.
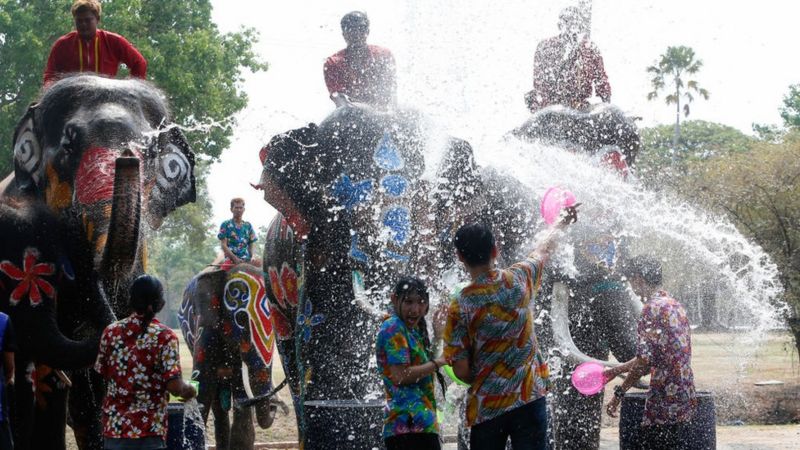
column 354, row 19
column 474, row 243
column 147, row 298
column 643, row 266
column 409, row 285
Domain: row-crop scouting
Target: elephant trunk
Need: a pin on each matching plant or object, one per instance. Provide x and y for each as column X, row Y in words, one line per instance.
column 122, row 244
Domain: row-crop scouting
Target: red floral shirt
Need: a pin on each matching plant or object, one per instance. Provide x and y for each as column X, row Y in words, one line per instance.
column 136, row 370
column 665, row 342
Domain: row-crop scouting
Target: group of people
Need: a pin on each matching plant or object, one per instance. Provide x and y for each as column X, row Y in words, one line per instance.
column 489, row 340
column 487, row 331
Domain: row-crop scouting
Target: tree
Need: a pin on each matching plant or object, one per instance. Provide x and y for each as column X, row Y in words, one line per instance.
column 199, row 68
column 791, row 107
column 674, row 64
column 760, row 190
column 662, row 159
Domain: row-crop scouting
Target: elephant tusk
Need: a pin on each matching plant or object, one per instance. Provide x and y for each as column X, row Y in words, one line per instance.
column 563, row 338
column 561, row 333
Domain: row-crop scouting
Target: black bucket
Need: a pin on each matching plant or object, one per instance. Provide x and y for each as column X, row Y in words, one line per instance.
column 183, row 433
column 698, row 434
column 339, row 421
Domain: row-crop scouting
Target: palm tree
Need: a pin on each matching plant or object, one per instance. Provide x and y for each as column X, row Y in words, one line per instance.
column 674, row 64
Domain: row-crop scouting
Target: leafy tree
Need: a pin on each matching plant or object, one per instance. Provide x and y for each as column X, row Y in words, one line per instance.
column 760, row 190
column 669, row 72
column 662, row 159
column 791, row 107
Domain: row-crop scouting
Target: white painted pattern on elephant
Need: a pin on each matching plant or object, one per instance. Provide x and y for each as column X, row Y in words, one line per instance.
column 27, row 151
column 174, row 171
column 245, row 297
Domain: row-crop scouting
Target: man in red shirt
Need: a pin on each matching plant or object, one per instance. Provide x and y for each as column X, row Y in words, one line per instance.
column 364, row 73
column 566, row 67
column 88, row 49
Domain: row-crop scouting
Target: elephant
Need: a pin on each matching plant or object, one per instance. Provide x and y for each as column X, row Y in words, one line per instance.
column 336, row 246
column 92, row 157
column 603, row 129
column 225, row 321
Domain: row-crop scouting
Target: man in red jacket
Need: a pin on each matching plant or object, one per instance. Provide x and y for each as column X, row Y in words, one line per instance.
column 566, row 67
column 88, row 49
column 364, row 73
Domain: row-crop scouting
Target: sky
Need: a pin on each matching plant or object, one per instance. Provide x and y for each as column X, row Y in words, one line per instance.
column 467, row 64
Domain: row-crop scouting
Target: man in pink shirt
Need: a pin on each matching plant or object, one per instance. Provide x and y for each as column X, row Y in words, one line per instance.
column 88, row 49
column 363, row 73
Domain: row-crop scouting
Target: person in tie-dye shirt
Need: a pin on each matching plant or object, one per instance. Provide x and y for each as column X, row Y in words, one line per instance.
column 665, row 352
column 490, row 342
column 407, row 367
column 237, row 237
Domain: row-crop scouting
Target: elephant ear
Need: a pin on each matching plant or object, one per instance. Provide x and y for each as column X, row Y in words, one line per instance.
column 175, row 183
column 28, row 158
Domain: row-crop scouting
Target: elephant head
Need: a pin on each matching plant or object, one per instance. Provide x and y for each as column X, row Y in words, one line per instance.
column 104, row 154
column 603, row 128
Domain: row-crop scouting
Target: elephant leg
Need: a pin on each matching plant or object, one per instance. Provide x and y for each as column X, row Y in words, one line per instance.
column 85, row 409
column 222, row 424
column 22, row 407
column 576, row 423
column 243, row 433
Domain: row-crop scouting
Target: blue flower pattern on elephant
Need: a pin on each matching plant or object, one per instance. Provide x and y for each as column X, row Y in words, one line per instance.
column 307, row 319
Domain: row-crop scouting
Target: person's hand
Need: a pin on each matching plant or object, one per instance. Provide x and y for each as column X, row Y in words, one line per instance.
column 611, row 407
column 188, row 392
column 440, row 319
column 569, row 214
column 440, row 361
column 258, row 187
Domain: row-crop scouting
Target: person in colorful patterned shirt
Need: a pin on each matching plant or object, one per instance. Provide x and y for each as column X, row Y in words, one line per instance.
column 665, row 351
column 237, row 236
column 490, row 342
column 406, row 365
column 140, row 362
column 88, row 49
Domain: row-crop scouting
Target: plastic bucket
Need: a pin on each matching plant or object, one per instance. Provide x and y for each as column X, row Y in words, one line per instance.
column 183, row 433
column 699, row 434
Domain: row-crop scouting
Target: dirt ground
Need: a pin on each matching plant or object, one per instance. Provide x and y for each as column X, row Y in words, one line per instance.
column 747, row 414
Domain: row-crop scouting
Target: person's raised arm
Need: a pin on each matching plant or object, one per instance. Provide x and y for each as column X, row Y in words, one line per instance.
column 547, row 243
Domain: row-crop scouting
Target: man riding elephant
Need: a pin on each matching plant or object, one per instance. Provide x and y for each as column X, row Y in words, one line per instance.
column 94, row 158
column 567, row 68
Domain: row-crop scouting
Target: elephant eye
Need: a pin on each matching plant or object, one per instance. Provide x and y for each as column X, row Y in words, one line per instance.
column 68, row 139
column 174, row 166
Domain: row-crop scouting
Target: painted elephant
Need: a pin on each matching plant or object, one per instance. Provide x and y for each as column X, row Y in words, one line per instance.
column 340, row 242
column 226, row 322
column 604, row 128
column 92, row 158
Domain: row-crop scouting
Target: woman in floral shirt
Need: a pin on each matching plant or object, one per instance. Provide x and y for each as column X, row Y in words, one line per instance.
column 406, row 364
column 140, row 363
column 665, row 351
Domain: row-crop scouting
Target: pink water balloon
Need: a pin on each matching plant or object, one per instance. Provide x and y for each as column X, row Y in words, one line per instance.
column 588, row 378
column 553, row 201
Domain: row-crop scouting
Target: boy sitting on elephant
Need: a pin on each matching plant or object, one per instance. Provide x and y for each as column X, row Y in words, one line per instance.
column 237, row 237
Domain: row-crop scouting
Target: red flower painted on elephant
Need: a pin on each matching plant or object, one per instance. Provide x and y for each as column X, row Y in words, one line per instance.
column 284, row 286
column 30, row 276
column 283, row 326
